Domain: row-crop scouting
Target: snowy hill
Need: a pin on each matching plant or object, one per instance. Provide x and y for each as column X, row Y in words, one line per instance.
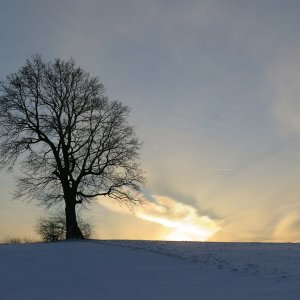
column 149, row 270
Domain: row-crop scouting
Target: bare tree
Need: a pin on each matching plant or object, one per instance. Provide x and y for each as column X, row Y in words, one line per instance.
column 53, row 228
column 73, row 143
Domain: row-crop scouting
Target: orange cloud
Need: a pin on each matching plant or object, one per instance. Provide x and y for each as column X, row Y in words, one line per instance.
column 182, row 221
column 288, row 229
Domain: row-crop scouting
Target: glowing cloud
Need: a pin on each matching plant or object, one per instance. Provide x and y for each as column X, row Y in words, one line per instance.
column 288, row 229
column 182, row 221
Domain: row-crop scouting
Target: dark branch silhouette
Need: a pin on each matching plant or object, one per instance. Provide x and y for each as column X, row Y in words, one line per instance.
column 73, row 143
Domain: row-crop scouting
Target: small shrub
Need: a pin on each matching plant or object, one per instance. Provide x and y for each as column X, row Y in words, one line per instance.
column 28, row 240
column 53, row 227
column 12, row 240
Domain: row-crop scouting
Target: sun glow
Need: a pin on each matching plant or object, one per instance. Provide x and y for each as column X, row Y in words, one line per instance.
column 185, row 229
column 178, row 235
column 180, row 221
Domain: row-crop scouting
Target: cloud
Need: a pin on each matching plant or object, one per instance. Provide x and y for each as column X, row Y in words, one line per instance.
column 182, row 221
column 284, row 83
column 288, row 229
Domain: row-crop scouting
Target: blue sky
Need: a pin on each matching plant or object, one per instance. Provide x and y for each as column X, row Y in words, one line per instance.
column 213, row 87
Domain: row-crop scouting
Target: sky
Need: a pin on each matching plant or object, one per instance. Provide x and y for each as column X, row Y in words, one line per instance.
column 213, row 88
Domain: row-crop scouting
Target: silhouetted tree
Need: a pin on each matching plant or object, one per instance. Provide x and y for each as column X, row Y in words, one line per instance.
column 53, row 227
column 73, row 143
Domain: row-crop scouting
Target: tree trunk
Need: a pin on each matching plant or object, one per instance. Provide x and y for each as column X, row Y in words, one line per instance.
column 73, row 231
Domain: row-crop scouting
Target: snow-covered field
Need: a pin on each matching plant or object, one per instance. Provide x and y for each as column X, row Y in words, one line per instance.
column 149, row 270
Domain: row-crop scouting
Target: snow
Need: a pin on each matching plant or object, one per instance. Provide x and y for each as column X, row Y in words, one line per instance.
column 269, row 260
column 149, row 270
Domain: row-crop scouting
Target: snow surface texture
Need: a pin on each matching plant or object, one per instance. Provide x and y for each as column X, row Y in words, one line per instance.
column 269, row 260
column 138, row 270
